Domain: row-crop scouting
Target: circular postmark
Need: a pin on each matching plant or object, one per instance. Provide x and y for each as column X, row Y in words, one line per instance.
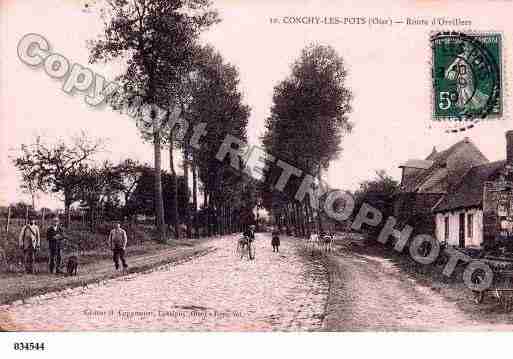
column 466, row 76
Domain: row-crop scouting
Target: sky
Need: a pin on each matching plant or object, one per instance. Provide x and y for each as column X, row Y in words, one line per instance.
column 388, row 74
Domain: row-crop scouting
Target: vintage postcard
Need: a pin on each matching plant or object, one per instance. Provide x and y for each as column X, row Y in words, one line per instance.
column 255, row 166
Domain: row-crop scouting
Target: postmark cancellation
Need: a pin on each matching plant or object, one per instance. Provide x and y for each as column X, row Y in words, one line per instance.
column 466, row 71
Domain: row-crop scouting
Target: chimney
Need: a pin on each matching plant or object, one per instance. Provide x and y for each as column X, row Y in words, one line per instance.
column 509, row 147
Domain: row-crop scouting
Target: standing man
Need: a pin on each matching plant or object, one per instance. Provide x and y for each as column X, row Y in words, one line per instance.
column 118, row 240
column 29, row 241
column 55, row 238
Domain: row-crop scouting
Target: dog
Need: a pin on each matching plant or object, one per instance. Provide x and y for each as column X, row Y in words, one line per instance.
column 328, row 242
column 72, row 265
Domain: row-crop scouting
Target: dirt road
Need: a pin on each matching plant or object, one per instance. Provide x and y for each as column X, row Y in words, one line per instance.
column 217, row 291
column 289, row 291
column 370, row 294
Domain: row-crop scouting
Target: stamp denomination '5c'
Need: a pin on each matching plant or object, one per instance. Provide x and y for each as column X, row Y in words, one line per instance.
column 466, row 75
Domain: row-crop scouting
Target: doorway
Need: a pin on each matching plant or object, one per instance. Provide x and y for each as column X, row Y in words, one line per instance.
column 462, row 231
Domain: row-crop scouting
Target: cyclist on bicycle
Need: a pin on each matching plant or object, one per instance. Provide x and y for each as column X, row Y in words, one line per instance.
column 249, row 237
column 248, row 233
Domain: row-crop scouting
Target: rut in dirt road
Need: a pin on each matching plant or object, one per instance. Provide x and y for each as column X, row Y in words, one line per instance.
column 217, row 292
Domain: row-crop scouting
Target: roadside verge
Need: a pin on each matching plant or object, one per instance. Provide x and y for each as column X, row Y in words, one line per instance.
column 20, row 288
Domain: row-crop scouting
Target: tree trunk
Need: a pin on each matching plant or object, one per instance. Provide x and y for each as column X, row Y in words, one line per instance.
column 287, row 218
column 42, row 219
column 293, row 220
column 257, row 227
column 8, row 219
column 33, row 196
column 301, row 214
column 195, row 197
column 91, row 217
column 214, row 214
column 159, row 199
column 319, row 212
column 186, row 179
column 174, row 215
column 216, row 218
column 206, row 208
column 67, row 205
column 228, row 225
column 296, row 219
column 221, row 220
column 225, row 223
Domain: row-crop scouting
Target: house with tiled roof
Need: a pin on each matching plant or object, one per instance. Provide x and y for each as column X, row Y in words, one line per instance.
column 446, row 194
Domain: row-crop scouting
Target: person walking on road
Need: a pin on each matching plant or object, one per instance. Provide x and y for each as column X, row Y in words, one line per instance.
column 118, row 241
column 275, row 241
column 55, row 237
column 29, row 242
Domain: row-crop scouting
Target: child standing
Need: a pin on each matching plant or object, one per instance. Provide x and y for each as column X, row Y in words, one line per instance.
column 275, row 241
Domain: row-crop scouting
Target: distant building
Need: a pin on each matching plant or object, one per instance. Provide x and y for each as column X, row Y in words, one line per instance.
column 458, row 195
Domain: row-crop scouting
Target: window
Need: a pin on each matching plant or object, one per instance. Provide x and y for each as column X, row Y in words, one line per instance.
column 446, row 228
column 470, row 225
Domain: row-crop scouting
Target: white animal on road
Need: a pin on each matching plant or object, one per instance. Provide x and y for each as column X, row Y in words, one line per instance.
column 313, row 241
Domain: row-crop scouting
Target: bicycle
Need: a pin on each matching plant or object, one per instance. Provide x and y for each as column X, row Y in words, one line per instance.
column 245, row 247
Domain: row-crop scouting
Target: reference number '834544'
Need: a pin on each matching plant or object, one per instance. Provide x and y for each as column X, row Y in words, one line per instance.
column 24, row 346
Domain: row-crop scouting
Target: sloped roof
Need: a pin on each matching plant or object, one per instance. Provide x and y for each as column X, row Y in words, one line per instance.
column 469, row 191
column 432, row 154
column 436, row 182
column 421, row 164
column 447, row 169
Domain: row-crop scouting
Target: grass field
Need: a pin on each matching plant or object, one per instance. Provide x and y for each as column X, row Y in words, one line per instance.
column 79, row 240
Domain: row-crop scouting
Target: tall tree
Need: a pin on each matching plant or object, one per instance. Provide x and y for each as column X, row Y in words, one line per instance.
column 156, row 37
column 216, row 101
column 309, row 115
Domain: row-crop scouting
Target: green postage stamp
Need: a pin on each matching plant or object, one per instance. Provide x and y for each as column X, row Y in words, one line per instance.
column 466, row 73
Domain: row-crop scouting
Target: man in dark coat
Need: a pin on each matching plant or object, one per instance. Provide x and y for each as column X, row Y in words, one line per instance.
column 55, row 237
column 118, row 241
column 275, row 241
column 29, row 241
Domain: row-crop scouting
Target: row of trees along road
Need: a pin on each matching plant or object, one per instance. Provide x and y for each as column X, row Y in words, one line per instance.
column 166, row 67
column 158, row 40
column 309, row 117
